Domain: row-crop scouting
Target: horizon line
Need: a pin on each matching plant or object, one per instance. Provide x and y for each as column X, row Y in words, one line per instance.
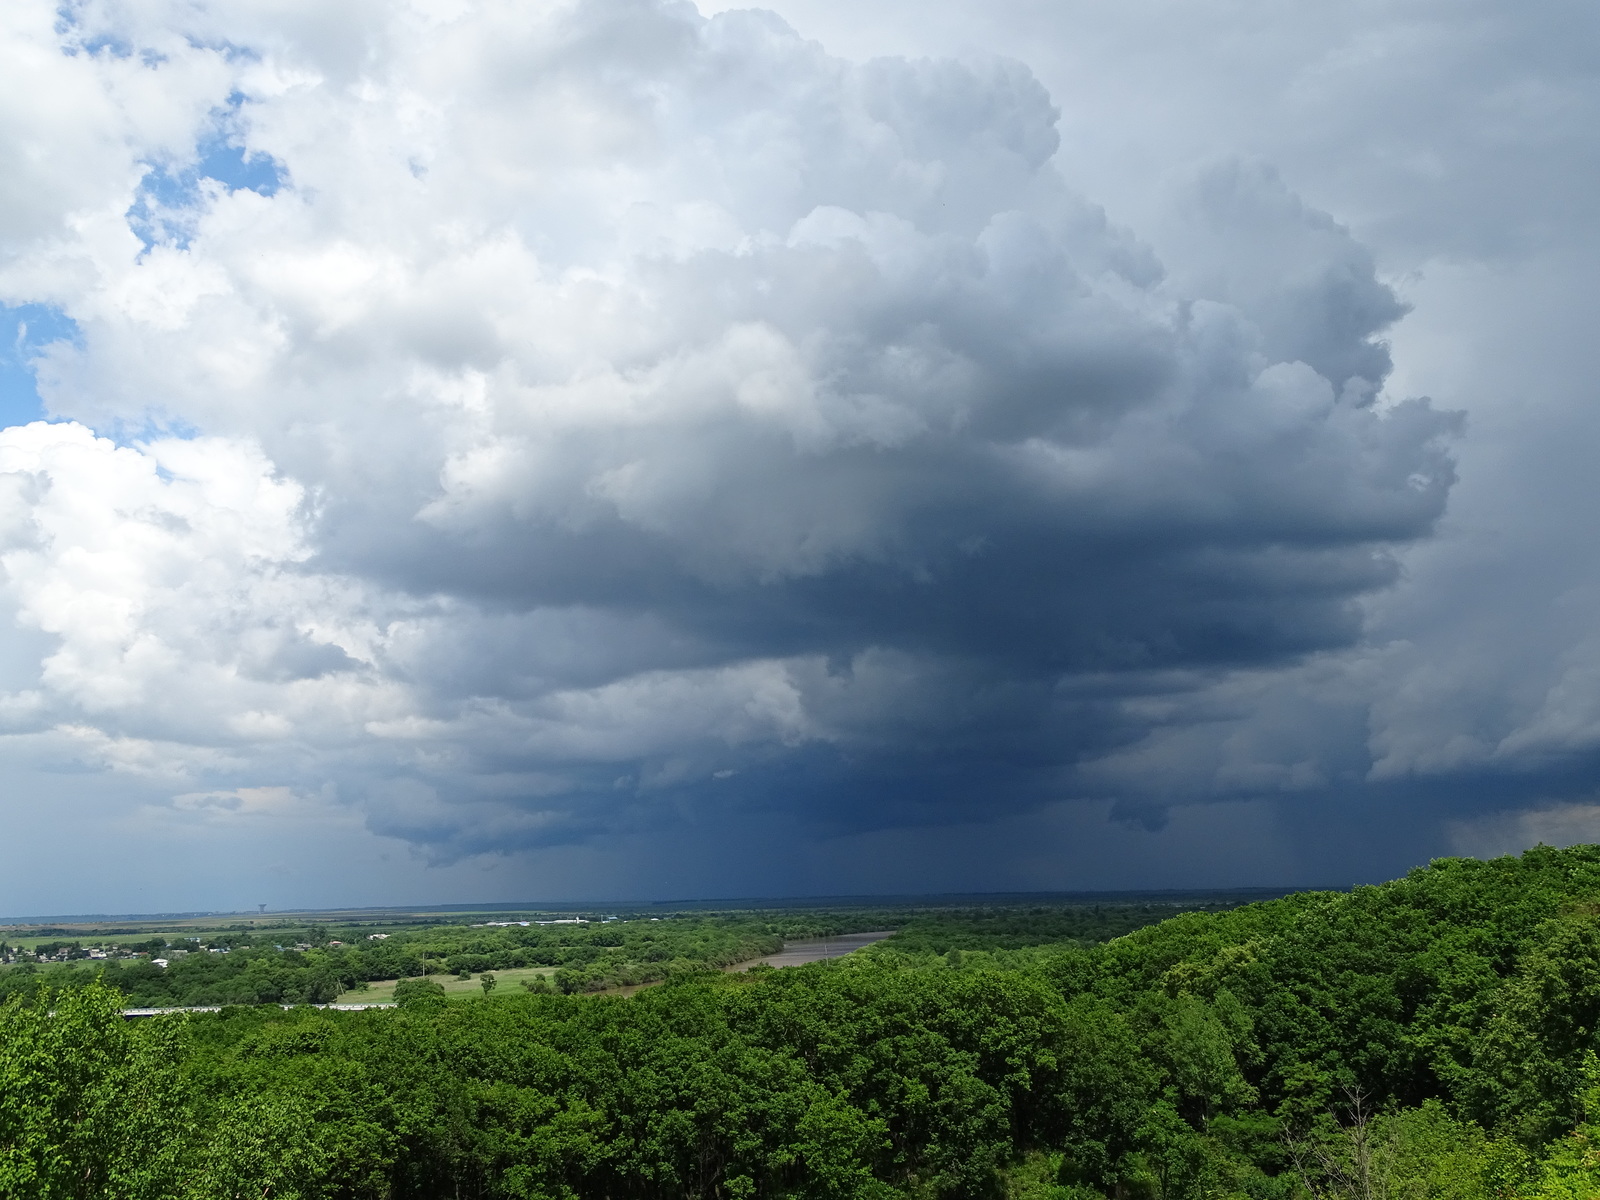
column 852, row 900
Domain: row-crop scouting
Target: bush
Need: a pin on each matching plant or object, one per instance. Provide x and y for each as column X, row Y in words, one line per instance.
column 414, row 994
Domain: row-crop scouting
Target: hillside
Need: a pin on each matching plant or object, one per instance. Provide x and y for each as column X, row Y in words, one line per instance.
column 1430, row 1037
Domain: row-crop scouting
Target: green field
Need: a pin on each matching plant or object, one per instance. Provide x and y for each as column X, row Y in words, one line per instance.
column 508, row 982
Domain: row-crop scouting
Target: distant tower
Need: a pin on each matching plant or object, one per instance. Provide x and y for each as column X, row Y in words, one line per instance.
column 263, row 909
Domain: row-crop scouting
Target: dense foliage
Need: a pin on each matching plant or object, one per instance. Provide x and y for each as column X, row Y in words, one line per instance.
column 1005, row 927
column 1432, row 1037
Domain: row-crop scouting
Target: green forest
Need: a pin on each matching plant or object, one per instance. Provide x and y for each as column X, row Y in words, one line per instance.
column 1433, row 1037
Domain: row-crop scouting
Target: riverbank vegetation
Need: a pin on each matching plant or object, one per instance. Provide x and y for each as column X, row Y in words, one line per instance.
column 323, row 963
column 1430, row 1038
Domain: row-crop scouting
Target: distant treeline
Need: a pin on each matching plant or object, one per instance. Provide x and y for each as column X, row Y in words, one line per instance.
column 259, row 971
column 1038, row 925
column 1430, row 1039
column 262, row 969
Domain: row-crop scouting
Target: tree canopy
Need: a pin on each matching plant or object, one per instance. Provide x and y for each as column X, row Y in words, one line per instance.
column 1430, row 1037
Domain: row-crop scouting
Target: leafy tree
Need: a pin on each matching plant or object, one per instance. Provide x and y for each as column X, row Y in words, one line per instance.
column 88, row 1106
column 414, row 995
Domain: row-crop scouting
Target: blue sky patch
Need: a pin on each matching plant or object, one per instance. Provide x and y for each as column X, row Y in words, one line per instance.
column 169, row 199
column 25, row 330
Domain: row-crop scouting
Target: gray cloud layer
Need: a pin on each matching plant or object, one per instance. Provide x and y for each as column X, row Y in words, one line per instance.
column 614, row 418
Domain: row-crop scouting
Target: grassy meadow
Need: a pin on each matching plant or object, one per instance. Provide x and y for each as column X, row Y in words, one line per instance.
column 507, row 983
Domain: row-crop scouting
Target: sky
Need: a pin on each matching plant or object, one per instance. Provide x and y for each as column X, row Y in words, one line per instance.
column 613, row 449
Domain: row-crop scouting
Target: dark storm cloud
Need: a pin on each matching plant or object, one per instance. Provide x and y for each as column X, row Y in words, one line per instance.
column 1085, row 485
column 635, row 417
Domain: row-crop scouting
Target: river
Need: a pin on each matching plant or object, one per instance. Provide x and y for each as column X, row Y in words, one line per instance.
column 809, row 950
